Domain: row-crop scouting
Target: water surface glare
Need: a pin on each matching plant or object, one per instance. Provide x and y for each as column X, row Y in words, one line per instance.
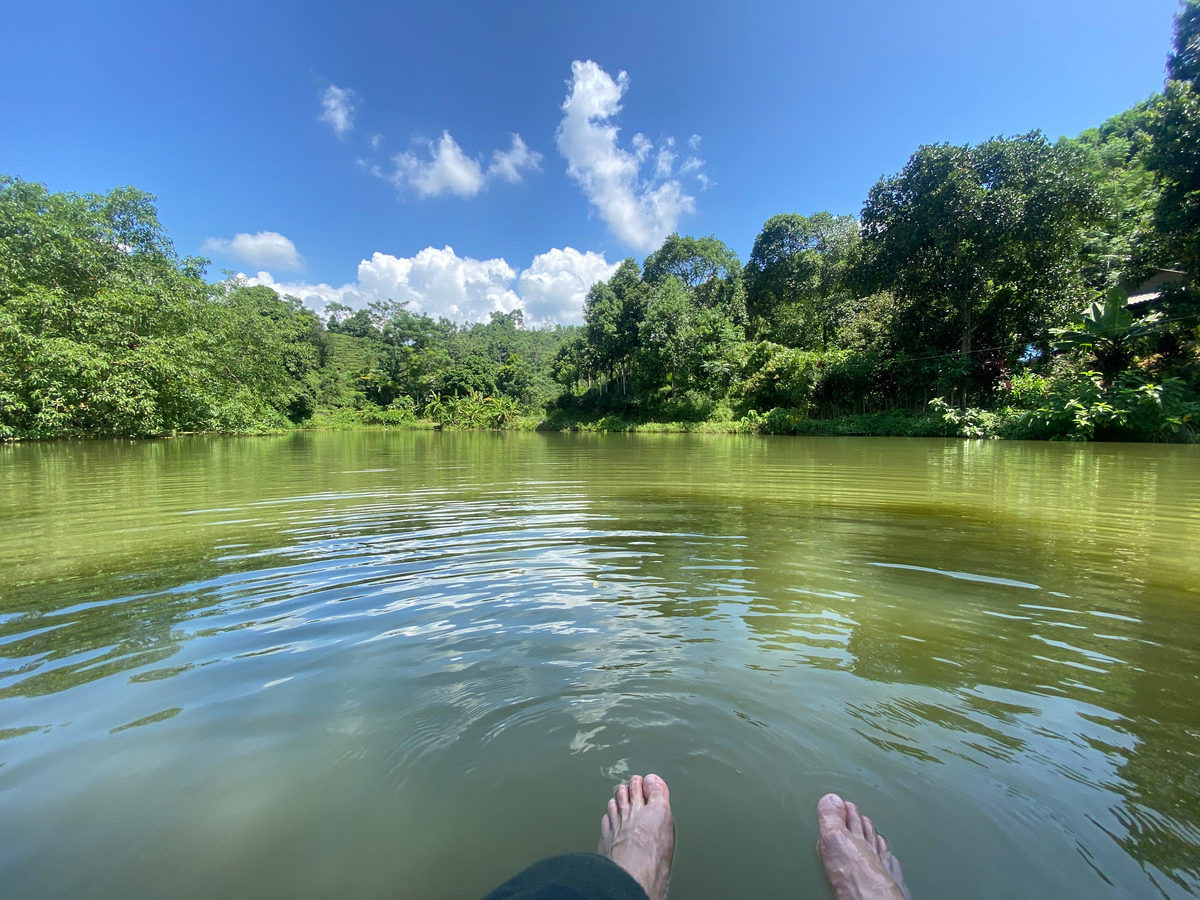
column 367, row 665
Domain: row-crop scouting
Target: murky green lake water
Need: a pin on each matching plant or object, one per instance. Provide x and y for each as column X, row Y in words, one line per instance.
column 366, row 665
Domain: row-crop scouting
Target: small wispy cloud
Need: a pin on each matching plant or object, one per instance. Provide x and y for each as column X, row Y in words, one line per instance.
column 266, row 248
column 338, row 106
column 508, row 164
column 448, row 170
column 665, row 160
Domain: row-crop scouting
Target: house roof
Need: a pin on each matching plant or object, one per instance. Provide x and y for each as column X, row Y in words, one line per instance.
column 1152, row 288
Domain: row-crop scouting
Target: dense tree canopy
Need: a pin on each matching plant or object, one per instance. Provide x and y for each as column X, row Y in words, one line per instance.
column 1184, row 62
column 990, row 273
column 693, row 261
column 103, row 329
column 993, row 274
column 1174, row 153
column 797, row 277
column 981, row 242
column 1122, row 244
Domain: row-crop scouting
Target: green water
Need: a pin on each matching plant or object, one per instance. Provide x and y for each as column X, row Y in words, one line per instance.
column 362, row 665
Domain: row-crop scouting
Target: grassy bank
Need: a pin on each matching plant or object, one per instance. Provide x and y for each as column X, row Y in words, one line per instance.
column 894, row 423
column 1138, row 411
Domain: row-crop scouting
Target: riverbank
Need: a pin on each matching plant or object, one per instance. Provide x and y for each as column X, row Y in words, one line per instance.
column 1069, row 421
column 895, row 423
column 939, row 420
column 1145, row 422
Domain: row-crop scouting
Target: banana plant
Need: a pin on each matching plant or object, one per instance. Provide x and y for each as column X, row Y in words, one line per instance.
column 1107, row 329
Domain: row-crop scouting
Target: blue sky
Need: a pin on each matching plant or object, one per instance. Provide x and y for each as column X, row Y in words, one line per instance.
column 801, row 106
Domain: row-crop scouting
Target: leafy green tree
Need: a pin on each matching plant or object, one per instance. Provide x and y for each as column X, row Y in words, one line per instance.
column 665, row 337
column 572, row 363
column 1184, row 62
column 627, row 280
column 612, row 314
column 709, row 270
column 1174, row 153
column 691, row 261
column 778, row 377
column 1121, row 248
column 471, row 375
column 517, row 379
column 603, row 313
column 981, row 241
column 360, row 325
column 335, row 313
column 683, row 346
column 796, row 279
column 104, row 330
column 267, row 344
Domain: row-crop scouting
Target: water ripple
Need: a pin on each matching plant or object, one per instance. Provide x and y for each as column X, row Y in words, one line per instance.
column 403, row 636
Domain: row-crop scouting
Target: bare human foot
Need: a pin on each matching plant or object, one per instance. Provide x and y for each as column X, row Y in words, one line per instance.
column 857, row 858
column 638, row 833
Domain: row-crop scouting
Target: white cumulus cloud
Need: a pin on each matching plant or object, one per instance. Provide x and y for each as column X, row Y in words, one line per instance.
column 554, row 286
column 337, row 109
column 508, row 164
column 267, row 248
column 441, row 283
column 449, row 170
column 640, row 212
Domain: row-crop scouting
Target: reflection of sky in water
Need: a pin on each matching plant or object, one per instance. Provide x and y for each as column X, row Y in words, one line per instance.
column 944, row 632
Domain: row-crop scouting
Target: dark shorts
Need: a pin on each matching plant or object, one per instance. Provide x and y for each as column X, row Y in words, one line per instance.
column 572, row 876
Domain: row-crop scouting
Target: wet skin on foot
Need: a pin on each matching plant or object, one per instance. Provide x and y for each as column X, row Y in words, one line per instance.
column 857, row 858
column 638, row 833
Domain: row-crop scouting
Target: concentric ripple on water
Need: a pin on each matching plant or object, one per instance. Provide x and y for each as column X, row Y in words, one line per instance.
column 364, row 665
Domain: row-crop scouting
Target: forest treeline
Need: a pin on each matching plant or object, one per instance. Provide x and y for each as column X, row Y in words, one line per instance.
column 982, row 290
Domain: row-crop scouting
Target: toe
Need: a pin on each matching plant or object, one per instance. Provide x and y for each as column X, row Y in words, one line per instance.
column 869, row 833
column 636, row 798
column 831, row 813
column 605, row 826
column 853, row 820
column 654, row 787
column 623, row 800
column 882, row 847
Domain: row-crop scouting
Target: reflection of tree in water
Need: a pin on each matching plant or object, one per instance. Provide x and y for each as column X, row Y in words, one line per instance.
column 1160, row 778
column 987, row 651
column 819, row 602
